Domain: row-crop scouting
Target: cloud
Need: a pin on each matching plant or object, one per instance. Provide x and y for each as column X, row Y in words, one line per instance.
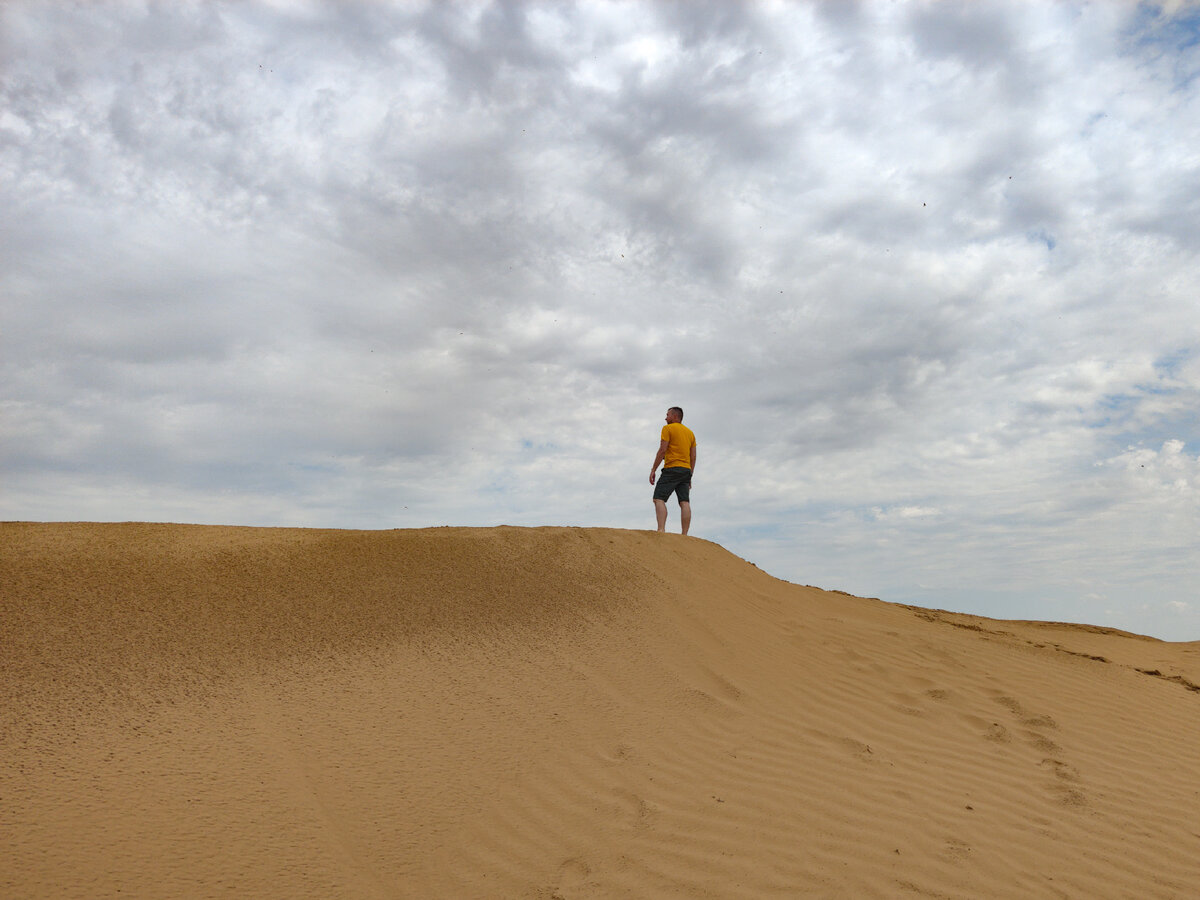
column 921, row 274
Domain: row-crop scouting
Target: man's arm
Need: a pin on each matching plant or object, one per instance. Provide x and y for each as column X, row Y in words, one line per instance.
column 662, row 451
column 693, row 466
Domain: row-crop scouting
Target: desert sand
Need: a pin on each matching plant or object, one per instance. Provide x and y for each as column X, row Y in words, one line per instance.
column 196, row 711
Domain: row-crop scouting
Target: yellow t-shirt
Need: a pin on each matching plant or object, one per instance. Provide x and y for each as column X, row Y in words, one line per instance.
column 680, row 442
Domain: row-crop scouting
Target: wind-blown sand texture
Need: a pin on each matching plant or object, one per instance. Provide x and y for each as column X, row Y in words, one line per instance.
column 193, row 711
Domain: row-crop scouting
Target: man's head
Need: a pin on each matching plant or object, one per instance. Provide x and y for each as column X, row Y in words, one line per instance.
column 674, row 414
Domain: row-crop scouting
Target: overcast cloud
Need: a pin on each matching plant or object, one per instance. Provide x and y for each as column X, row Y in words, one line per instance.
column 922, row 276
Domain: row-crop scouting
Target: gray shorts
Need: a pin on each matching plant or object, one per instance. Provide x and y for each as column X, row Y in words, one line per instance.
column 675, row 480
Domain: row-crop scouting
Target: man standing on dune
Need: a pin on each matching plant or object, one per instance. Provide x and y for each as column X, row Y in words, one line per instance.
column 677, row 450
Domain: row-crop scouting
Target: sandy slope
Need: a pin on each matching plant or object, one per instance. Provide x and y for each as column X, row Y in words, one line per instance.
column 193, row 711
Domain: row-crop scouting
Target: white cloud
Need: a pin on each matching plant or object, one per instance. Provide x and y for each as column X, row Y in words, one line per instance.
column 921, row 275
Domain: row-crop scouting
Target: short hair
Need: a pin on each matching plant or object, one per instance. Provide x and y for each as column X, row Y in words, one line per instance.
column 679, row 410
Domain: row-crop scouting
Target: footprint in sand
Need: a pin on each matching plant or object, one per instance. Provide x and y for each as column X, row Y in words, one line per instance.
column 956, row 849
column 572, row 875
column 1065, row 782
column 1041, row 742
column 619, row 754
column 634, row 808
column 1040, row 722
column 997, row 733
column 1009, row 703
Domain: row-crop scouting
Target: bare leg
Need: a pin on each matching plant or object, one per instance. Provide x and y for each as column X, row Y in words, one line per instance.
column 685, row 514
column 660, row 512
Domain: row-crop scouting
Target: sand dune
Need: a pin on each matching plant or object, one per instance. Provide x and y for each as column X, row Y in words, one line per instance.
column 197, row 711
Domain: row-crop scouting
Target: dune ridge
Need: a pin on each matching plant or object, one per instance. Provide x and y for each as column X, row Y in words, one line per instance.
column 560, row 713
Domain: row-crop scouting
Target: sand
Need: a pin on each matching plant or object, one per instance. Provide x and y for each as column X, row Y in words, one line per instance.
column 193, row 711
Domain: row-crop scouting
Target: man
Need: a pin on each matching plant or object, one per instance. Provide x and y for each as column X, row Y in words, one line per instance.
column 677, row 450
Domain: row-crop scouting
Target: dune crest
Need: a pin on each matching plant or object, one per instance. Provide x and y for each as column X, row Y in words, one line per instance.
column 560, row 713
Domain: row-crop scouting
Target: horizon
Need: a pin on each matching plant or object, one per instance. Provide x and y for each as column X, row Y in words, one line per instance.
column 824, row 588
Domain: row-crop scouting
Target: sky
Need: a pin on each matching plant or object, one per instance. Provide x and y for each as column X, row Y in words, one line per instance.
column 922, row 276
